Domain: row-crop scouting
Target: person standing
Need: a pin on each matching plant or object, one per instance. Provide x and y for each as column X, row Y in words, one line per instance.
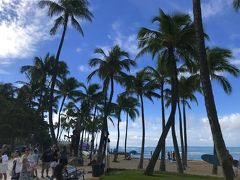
column 64, row 156
column 26, row 169
column 46, row 160
column 55, row 158
column 16, row 168
column 33, row 159
column 4, row 162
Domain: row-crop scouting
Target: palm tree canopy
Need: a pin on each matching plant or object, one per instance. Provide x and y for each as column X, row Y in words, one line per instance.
column 236, row 4
column 218, row 63
column 127, row 104
column 68, row 87
column 141, row 85
column 160, row 73
column 187, row 86
column 176, row 32
column 112, row 64
column 65, row 10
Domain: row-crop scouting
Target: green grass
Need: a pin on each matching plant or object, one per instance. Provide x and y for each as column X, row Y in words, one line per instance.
column 138, row 175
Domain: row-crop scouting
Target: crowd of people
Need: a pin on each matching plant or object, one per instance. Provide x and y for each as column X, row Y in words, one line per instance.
column 25, row 162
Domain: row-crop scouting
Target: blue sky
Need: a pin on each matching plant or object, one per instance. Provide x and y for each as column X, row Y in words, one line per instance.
column 24, row 33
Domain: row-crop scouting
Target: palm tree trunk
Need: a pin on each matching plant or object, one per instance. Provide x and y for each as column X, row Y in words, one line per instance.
column 174, row 95
column 140, row 165
column 176, row 150
column 125, row 144
column 93, row 130
column 81, row 143
column 61, row 133
column 181, row 133
column 116, row 150
column 59, row 116
column 54, row 78
column 219, row 143
column 214, row 168
column 185, row 134
column 104, row 134
column 163, row 162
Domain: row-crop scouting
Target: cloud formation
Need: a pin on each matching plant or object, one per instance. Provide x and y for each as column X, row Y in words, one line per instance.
column 199, row 133
column 22, row 26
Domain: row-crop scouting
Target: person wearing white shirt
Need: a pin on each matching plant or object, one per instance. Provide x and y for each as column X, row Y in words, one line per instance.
column 4, row 163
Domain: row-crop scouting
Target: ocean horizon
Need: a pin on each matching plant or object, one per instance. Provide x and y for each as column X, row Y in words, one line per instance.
column 194, row 152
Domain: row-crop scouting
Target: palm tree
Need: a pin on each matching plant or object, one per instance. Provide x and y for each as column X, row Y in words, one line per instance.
column 118, row 110
column 140, row 86
column 69, row 10
column 37, row 75
column 218, row 63
column 187, row 88
column 93, row 96
column 219, row 143
column 175, row 39
column 159, row 78
column 110, row 69
column 128, row 105
column 236, row 4
column 67, row 89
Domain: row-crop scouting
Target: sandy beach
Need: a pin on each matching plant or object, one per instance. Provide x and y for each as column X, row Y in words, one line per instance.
column 194, row 167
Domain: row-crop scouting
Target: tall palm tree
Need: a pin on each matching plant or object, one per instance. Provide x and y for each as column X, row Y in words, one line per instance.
column 67, row 10
column 140, row 86
column 218, row 64
column 175, row 39
column 67, row 89
column 110, row 69
column 159, row 78
column 187, row 88
column 128, row 105
column 219, row 143
column 131, row 111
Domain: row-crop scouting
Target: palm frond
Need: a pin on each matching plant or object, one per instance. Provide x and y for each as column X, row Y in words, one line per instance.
column 76, row 25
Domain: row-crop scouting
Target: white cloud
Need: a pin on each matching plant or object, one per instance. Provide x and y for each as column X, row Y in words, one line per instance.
column 214, row 7
column 126, row 42
column 198, row 130
column 22, row 26
column 78, row 50
column 211, row 8
column 84, row 68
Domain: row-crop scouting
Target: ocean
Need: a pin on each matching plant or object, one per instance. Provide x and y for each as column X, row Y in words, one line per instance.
column 194, row 152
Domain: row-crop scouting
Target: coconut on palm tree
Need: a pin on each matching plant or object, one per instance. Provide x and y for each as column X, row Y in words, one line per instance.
column 66, row 10
column 174, row 38
column 110, row 68
column 222, row 153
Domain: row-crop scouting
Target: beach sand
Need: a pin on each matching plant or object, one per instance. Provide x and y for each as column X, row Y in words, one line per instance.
column 194, row 167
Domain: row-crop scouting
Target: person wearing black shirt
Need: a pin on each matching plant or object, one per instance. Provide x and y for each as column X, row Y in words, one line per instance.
column 46, row 160
column 55, row 158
